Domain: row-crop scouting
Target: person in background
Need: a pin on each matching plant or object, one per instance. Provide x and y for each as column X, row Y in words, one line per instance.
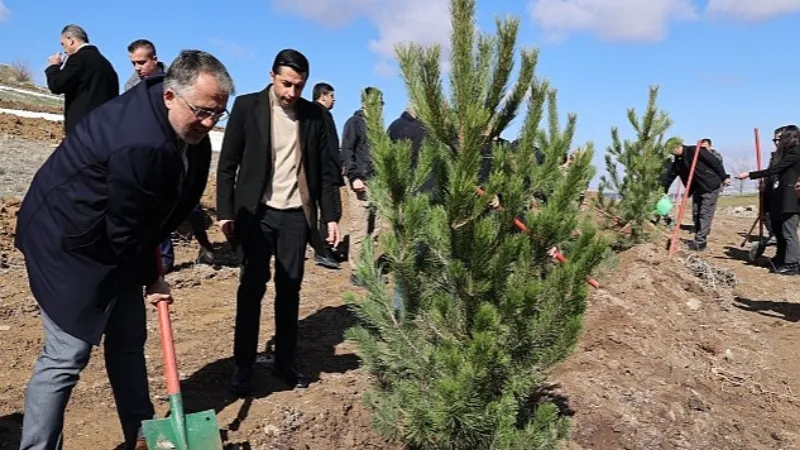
column 707, row 184
column 274, row 174
column 706, row 144
column 325, row 97
column 356, row 157
column 784, row 204
column 86, row 78
column 89, row 228
column 408, row 126
column 142, row 54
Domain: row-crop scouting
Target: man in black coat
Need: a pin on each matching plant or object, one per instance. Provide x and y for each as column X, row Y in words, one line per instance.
column 89, row 228
column 408, row 126
column 274, row 173
column 325, row 97
column 87, row 79
column 707, row 185
column 356, row 158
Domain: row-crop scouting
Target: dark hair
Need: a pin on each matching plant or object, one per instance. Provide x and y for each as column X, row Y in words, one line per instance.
column 368, row 91
column 321, row 89
column 706, row 140
column 292, row 59
column 75, row 32
column 789, row 139
column 142, row 43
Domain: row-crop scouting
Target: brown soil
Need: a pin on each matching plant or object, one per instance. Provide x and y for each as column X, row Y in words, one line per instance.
column 664, row 363
column 31, row 129
column 23, row 106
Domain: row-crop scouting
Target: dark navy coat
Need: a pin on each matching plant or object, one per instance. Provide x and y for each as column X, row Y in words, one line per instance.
column 100, row 205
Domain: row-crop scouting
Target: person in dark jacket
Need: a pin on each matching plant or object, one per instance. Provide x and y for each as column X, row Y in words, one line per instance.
column 325, row 97
column 706, row 187
column 143, row 57
column 87, row 79
column 142, row 54
column 89, row 228
column 784, row 204
column 408, row 126
column 356, row 157
column 274, row 174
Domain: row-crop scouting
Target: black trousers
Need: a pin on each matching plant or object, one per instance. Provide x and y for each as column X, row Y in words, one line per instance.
column 282, row 234
column 785, row 228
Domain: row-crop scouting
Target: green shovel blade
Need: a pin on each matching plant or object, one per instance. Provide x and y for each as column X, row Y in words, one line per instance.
column 201, row 430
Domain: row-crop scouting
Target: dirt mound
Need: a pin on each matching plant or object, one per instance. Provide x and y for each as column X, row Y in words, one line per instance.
column 23, row 106
column 666, row 363
column 31, row 129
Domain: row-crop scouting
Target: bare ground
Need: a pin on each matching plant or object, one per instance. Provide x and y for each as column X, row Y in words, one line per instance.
column 664, row 362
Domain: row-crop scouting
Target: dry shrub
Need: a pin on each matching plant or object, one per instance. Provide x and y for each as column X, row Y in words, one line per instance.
column 21, row 71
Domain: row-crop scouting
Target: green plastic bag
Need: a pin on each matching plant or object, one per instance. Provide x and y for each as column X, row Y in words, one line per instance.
column 664, row 205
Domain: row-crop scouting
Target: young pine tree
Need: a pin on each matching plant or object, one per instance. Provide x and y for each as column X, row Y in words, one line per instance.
column 635, row 168
column 475, row 312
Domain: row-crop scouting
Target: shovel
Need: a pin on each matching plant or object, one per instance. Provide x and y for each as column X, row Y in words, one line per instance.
column 179, row 431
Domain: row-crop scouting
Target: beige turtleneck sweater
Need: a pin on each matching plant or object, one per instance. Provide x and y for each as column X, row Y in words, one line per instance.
column 284, row 191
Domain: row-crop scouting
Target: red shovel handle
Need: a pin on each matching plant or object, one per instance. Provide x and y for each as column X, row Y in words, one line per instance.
column 167, row 346
column 558, row 255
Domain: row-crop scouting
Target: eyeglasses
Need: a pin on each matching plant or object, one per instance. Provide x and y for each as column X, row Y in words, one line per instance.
column 203, row 114
column 775, row 141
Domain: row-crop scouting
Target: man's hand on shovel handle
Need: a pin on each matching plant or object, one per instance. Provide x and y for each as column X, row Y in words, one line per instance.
column 158, row 292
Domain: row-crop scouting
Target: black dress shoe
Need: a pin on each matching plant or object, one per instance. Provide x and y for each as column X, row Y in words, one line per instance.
column 326, row 261
column 290, row 375
column 205, row 256
column 788, row 269
column 240, row 381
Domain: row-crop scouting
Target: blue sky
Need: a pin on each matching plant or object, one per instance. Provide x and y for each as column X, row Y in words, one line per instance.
column 724, row 66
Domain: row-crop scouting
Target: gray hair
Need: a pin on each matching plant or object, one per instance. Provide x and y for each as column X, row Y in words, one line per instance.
column 75, row 32
column 184, row 70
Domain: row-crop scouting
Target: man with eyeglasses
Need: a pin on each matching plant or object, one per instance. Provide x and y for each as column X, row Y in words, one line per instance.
column 89, row 228
column 274, row 173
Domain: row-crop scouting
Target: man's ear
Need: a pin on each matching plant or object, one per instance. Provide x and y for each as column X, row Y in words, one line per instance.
column 169, row 98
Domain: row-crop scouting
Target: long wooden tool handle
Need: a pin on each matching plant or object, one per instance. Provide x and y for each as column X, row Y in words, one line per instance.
column 558, row 255
column 673, row 245
column 167, row 344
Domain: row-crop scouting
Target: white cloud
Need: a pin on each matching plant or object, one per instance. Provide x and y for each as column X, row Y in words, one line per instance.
column 397, row 21
column 611, row 20
column 231, row 48
column 752, row 10
column 4, row 11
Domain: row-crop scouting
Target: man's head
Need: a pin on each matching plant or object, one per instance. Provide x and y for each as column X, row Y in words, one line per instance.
column 196, row 91
column 705, row 143
column 289, row 75
column 142, row 54
column 678, row 150
column 368, row 92
column 323, row 94
column 72, row 37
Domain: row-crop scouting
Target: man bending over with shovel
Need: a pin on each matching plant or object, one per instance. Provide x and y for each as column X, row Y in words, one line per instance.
column 89, row 226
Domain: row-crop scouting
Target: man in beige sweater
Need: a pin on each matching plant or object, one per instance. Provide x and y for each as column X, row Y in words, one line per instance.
column 274, row 174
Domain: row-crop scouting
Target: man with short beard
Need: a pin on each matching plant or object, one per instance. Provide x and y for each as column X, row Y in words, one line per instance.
column 89, row 228
column 274, row 173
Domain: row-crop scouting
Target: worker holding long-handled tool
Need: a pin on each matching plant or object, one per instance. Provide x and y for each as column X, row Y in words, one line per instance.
column 703, row 175
column 95, row 213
